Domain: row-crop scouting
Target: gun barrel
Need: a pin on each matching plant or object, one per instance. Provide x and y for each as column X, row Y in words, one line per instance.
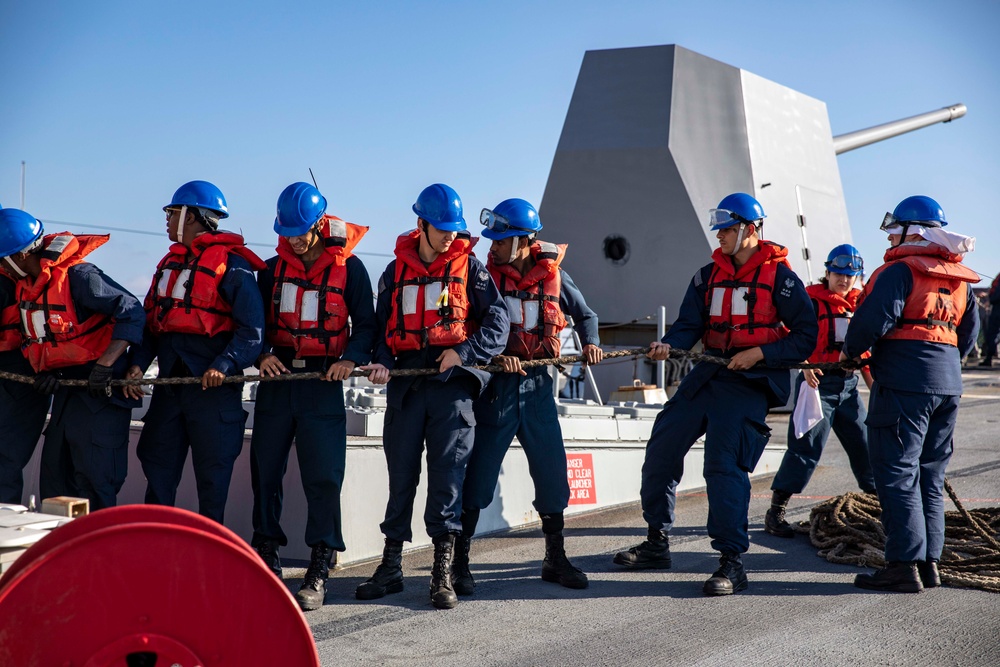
column 848, row 142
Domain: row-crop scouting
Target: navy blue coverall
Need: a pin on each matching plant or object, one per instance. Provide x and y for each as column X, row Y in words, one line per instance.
column 992, row 329
column 210, row 422
column 22, row 410
column 86, row 442
column 312, row 412
column 524, row 406
column 911, row 415
column 844, row 412
column 435, row 409
column 727, row 407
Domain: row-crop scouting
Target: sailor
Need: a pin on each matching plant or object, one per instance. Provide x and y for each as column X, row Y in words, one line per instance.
column 204, row 318
column 992, row 330
column 918, row 315
column 311, row 289
column 520, row 402
column 77, row 324
column 437, row 308
column 834, row 300
column 22, row 410
column 747, row 306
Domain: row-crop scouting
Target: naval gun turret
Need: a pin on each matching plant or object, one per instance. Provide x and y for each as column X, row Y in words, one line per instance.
column 655, row 137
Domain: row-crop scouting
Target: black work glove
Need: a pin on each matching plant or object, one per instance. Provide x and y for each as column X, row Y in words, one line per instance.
column 46, row 383
column 99, row 382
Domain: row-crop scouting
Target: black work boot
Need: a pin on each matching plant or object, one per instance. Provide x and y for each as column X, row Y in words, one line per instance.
column 461, row 576
column 729, row 578
column 557, row 568
column 893, row 578
column 652, row 554
column 986, row 361
column 388, row 577
column 442, row 592
column 928, row 571
column 774, row 520
column 313, row 591
column 268, row 552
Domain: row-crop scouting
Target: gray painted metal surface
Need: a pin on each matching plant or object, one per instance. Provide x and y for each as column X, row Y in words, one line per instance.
column 656, row 136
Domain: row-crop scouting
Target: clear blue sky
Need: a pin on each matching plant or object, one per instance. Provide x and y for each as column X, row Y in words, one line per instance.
column 114, row 104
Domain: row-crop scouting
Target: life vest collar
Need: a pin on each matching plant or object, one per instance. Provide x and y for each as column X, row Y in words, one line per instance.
column 339, row 238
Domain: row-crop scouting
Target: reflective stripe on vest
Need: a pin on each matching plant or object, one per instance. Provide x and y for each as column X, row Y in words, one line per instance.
column 741, row 312
column 835, row 313
column 532, row 300
column 56, row 338
column 430, row 303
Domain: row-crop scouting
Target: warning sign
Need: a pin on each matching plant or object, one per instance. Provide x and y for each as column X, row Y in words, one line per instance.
column 580, row 472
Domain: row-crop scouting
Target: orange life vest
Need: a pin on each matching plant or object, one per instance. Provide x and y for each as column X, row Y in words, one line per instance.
column 308, row 312
column 936, row 303
column 430, row 303
column 536, row 317
column 835, row 313
column 184, row 296
column 10, row 319
column 56, row 338
column 741, row 312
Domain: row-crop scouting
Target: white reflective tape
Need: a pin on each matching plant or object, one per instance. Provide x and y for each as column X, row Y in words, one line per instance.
column 24, row 323
column 179, row 289
column 514, row 308
column 338, row 228
column 37, row 324
column 310, row 307
column 739, row 306
column 718, row 294
column 289, row 297
column 164, row 283
column 58, row 244
column 530, row 314
column 840, row 325
column 410, row 293
column 431, row 294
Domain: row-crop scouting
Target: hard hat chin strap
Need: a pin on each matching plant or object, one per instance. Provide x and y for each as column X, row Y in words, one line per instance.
column 739, row 239
column 513, row 248
column 181, row 219
column 15, row 267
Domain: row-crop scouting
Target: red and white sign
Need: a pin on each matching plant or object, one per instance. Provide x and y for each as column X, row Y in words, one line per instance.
column 580, row 472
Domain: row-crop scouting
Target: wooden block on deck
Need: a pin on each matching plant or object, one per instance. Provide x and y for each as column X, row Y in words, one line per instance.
column 66, row 506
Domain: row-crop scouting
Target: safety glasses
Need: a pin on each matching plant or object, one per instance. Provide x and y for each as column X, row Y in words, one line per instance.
column 721, row 216
column 496, row 222
column 851, row 262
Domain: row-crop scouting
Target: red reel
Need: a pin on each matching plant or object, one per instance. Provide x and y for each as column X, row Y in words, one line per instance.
column 176, row 594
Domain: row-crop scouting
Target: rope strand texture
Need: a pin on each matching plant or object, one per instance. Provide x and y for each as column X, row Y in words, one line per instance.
column 402, row 372
column 848, row 530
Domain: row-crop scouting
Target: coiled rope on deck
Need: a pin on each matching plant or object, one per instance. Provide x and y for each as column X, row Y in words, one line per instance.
column 402, row 372
column 848, row 530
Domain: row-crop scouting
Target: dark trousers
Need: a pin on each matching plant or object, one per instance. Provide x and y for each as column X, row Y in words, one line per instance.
column 439, row 414
column 210, row 422
column 992, row 331
column 730, row 413
column 22, row 418
column 845, row 413
column 910, row 440
column 513, row 405
column 311, row 412
column 86, row 448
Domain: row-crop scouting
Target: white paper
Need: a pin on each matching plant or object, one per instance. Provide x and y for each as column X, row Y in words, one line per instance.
column 808, row 409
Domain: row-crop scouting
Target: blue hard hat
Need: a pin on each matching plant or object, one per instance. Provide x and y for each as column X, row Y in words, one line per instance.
column 511, row 217
column 200, row 194
column 441, row 206
column 18, row 230
column 845, row 259
column 300, row 206
column 734, row 209
column 919, row 210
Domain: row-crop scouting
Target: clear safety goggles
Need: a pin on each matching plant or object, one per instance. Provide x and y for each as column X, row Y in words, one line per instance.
column 497, row 223
column 850, row 262
column 890, row 221
column 722, row 216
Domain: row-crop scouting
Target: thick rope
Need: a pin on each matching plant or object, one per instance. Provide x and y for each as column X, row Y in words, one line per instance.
column 848, row 530
column 402, row 372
